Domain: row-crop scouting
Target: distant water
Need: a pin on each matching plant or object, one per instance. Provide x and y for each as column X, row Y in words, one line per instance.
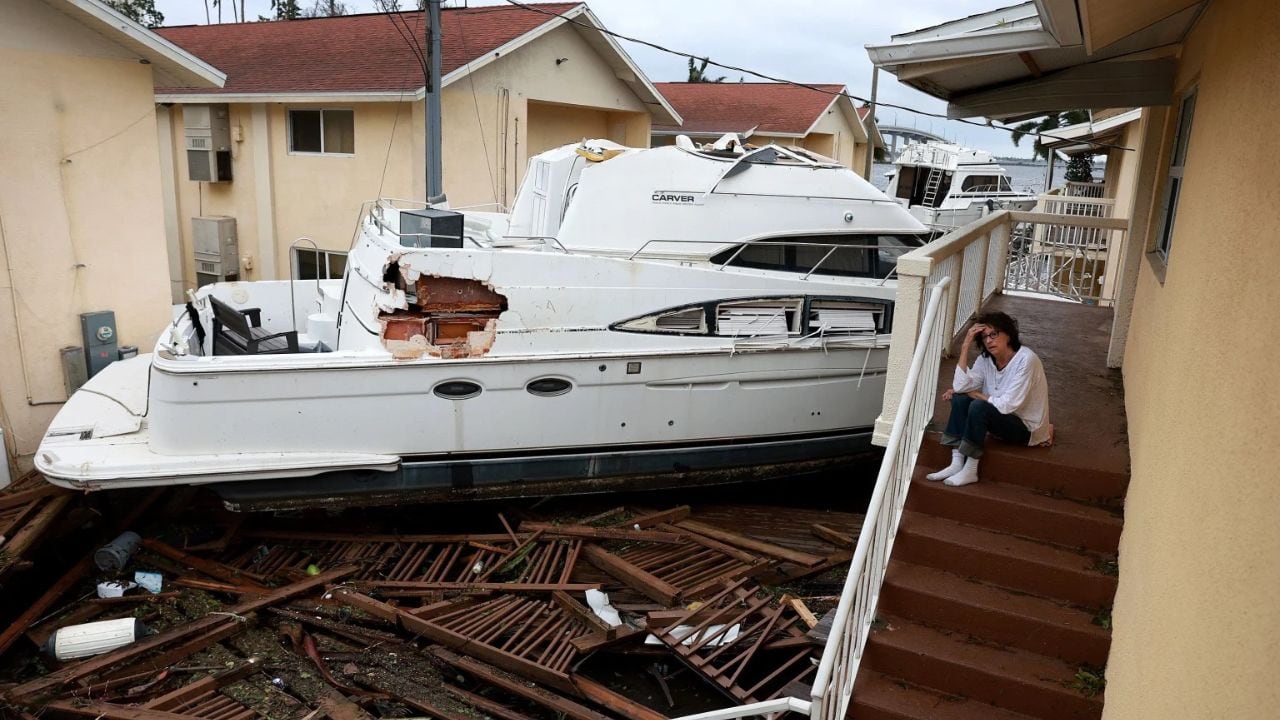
column 1022, row 177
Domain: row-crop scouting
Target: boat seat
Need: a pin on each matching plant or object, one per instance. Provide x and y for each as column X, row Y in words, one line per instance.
column 239, row 332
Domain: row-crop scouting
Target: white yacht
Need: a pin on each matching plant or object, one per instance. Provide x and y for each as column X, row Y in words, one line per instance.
column 667, row 315
column 946, row 186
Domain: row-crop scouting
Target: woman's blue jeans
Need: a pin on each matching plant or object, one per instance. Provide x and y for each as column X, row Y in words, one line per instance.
column 971, row 420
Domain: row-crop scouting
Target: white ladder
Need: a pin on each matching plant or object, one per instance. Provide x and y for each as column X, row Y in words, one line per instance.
column 931, row 186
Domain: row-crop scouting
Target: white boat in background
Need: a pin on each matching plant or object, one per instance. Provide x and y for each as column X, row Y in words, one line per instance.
column 946, row 186
column 643, row 316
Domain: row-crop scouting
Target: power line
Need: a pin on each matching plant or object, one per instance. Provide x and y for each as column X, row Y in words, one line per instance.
column 771, row 78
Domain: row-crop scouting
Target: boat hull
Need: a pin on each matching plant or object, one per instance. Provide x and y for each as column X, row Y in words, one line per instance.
column 616, row 469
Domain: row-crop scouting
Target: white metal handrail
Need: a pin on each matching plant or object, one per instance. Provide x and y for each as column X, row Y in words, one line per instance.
column 833, row 684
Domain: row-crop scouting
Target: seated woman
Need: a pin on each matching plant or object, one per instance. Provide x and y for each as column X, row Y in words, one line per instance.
column 1004, row 393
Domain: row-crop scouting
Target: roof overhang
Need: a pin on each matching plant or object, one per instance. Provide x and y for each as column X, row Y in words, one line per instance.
column 844, row 104
column 1086, row 137
column 715, row 134
column 1046, row 55
column 591, row 29
column 171, row 66
column 315, row 97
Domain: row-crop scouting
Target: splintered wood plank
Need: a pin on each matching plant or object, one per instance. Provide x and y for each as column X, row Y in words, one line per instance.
column 631, row 575
column 602, row 533
column 651, row 519
column 621, row 704
column 204, row 686
column 752, row 544
column 493, row 676
column 835, row 537
column 110, row 711
column 211, row 568
column 44, row 602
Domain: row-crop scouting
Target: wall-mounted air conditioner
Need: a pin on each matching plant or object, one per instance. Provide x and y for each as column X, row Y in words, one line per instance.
column 216, row 249
column 207, row 129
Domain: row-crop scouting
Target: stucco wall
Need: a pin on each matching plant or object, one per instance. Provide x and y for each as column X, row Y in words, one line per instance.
column 1197, row 621
column 521, row 103
column 81, row 220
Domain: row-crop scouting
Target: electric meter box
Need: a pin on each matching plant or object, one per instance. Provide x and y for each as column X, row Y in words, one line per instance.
column 432, row 228
column 100, row 342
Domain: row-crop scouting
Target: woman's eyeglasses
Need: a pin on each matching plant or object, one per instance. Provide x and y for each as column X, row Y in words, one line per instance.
column 991, row 335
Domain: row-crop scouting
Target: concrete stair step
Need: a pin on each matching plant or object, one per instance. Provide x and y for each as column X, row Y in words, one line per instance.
column 1019, row 510
column 941, row 599
column 954, row 664
column 1001, row 559
column 1037, row 468
column 882, row 697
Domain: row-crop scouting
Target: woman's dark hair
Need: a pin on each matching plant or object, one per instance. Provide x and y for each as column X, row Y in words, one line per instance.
column 1005, row 324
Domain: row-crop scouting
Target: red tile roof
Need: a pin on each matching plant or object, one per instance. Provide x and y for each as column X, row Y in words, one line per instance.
column 738, row 107
column 353, row 53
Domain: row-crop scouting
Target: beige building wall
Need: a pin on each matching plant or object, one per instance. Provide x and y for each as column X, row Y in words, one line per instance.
column 81, row 219
column 492, row 121
column 1196, row 618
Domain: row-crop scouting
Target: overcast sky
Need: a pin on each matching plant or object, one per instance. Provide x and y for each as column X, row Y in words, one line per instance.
column 814, row 41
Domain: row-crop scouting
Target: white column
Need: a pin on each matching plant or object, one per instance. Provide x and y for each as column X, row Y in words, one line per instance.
column 169, row 200
column 264, row 194
column 908, row 309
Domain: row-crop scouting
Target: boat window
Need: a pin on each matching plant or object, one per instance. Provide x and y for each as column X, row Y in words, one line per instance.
column 456, row 390
column 800, row 254
column 1004, row 184
column 846, row 318
column 906, row 181
column 981, row 183
column 548, row 387
column 756, row 318
column 686, row 321
column 892, row 247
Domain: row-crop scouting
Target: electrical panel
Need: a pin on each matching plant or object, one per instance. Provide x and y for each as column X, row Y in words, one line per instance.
column 216, row 249
column 207, row 132
column 100, row 341
column 429, row 227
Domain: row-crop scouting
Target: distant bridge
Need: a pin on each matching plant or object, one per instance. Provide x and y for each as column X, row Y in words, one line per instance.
column 897, row 134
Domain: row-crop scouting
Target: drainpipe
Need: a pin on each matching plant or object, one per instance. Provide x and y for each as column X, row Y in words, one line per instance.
column 871, row 117
column 435, row 182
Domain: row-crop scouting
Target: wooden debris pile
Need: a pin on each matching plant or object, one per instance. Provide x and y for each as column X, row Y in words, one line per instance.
column 522, row 624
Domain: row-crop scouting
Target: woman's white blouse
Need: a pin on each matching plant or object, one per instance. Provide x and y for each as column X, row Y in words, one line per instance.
column 1020, row 389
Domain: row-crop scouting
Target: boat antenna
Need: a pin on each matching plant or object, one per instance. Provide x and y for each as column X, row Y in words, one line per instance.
column 435, row 181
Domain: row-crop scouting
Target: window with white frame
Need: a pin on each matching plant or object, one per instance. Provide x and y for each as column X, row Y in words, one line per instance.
column 311, row 264
column 1173, row 183
column 327, row 131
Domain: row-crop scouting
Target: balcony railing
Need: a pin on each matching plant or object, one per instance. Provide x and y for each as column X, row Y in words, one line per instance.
column 1067, row 261
column 987, row 256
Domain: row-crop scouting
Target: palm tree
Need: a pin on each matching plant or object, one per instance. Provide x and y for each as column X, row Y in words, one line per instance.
column 1047, row 124
column 698, row 73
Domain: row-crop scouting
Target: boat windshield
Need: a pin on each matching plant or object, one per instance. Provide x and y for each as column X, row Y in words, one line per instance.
column 863, row 255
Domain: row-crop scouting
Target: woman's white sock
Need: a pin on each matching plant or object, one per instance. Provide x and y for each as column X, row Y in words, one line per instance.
column 967, row 475
column 957, row 462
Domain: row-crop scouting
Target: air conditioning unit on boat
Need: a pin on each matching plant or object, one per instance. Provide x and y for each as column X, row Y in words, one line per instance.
column 430, row 227
column 207, row 130
column 216, row 249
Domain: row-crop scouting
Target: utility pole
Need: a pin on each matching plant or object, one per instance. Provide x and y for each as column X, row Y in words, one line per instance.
column 871, row 117
column 435, row 180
